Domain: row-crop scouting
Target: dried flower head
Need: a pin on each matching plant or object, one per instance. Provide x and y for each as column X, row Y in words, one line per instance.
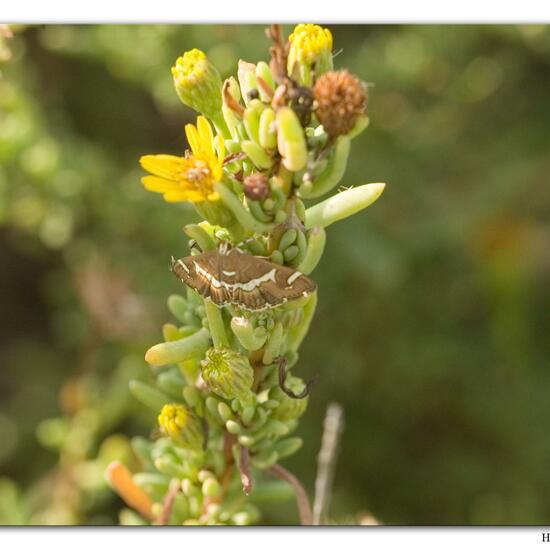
column 341, row 99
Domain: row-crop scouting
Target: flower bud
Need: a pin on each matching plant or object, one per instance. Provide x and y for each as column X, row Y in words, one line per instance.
column 289, row 408
column 181, row 425
column 227, row 373
column 310, row 48
column 340, row 101
column 198, row 83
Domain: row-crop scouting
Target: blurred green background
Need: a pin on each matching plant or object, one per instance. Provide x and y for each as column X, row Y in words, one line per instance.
column 434, row 317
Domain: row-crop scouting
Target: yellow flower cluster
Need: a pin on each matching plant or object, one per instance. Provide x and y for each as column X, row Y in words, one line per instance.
column 308, row 42
column 190, row 66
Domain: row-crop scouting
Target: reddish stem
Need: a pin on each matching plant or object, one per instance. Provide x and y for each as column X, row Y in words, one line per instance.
column 304, row 507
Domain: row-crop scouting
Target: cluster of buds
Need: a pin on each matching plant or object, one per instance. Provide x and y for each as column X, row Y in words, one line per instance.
column 224, row 392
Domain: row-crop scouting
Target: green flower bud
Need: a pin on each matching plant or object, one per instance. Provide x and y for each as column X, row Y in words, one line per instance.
column 289, row 408
column 291, row 140
column 181, row 425
column 198, row 83
column 227, row 373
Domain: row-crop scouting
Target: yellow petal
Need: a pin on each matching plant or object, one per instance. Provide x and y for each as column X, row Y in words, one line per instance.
column 165, row 166
column 184, row 195
column 159, row 185
column 205, row 130
column 193, row 138
column 220, row 146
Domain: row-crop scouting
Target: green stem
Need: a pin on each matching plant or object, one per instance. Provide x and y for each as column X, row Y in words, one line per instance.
column 240, row 212
column 221, row 126
column 298, row 333
column 216, row 324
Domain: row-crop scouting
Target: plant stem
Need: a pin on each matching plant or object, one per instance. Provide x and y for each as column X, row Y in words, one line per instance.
column 216, row 324
column 304, row 507
column 164, row 517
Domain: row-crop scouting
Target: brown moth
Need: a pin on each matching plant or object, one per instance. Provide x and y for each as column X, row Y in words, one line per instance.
column 231, row 276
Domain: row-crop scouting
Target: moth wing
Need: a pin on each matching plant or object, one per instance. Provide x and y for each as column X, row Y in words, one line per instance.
column 288, row 284
column 194, row 270
column 293, row 284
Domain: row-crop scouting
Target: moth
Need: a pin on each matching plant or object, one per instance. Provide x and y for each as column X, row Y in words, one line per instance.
column 229, row 275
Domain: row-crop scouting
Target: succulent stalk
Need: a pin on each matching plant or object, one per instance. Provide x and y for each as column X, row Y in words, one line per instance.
column 227, row 391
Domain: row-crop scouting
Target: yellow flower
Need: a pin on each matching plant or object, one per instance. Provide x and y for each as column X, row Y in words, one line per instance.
column 310, row 41
column 192, row 177
column 181, row 425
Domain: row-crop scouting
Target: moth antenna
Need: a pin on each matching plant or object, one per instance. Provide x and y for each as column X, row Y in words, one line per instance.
column 193, row 244
column 282, row 379
column 172, row 263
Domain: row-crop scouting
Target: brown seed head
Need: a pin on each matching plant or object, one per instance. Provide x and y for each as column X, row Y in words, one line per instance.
column 256, row 186
column 341, row 99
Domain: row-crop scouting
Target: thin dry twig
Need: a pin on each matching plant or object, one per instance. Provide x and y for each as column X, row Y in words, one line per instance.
column 304, row 507
column 168, row 503
column 326, row 460
column 244, row 467
column 278, row 51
